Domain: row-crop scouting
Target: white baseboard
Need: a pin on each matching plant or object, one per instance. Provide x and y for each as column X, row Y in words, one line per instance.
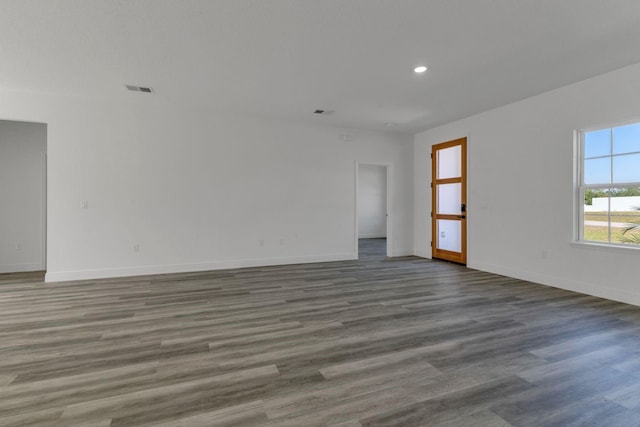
column 20, row 268
column 561, row 283
column 422, row 253
column 63, row 276
column 402, row 252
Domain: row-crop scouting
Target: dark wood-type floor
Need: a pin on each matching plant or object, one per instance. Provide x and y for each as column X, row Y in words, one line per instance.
column 373, row 342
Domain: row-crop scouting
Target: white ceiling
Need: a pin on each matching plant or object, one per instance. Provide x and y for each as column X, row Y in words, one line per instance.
column 285, row 58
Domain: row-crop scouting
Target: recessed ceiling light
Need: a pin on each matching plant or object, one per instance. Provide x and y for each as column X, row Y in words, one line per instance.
column 391, row 124
column 420, row 69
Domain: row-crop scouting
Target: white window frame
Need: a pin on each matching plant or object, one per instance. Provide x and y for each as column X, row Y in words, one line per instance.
column 581, row 187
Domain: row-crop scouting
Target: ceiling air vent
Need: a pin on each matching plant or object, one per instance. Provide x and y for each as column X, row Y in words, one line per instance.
column 323, row 112
column 140, row 89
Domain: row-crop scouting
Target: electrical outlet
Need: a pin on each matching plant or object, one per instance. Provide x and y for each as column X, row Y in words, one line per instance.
column 84, row 204
column 136, row 247
column 18, row 247
column 261, row 243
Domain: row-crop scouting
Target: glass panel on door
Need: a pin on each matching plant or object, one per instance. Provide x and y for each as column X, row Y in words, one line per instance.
column 449, row 165
column 449, row 235
column 449, row 198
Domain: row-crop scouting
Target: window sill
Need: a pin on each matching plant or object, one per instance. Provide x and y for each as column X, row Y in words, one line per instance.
column 606, row 247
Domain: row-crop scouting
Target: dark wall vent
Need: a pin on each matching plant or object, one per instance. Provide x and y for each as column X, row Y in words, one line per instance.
column 144, row 89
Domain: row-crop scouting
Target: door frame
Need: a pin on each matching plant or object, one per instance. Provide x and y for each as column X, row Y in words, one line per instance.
column 44, row 204
column 389, row 171
column 448, row 255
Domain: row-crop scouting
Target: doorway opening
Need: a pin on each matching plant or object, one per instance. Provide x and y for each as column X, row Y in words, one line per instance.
column 23, row 191
column 372, row 220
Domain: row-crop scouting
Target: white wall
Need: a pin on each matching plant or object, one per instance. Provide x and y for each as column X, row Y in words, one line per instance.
column 198, row 190
column 22, row 205
column 519, row 155
column 372, row 201
column 617, row 204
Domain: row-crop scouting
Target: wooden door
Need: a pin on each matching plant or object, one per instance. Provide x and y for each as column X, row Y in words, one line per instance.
column 449, row 201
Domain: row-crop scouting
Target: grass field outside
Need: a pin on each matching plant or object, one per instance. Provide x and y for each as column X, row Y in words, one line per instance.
column 626, row 217
column 600, row 233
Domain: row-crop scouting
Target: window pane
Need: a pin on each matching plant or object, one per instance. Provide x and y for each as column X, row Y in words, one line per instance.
column 449, row 235
column 449, row 199
column 625, row 201
column 596, row 227
column 596, row 200
column 626, row 139
column 597, row 143
column 596, row 216
column 597, row 171
column 613, row 216
column 449, row 162
column 625, row 215
column 626, row 168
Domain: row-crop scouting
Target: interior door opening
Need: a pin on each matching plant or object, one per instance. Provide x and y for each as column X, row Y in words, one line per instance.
column 449, row 201
column 372, row 225
column 23, row 190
